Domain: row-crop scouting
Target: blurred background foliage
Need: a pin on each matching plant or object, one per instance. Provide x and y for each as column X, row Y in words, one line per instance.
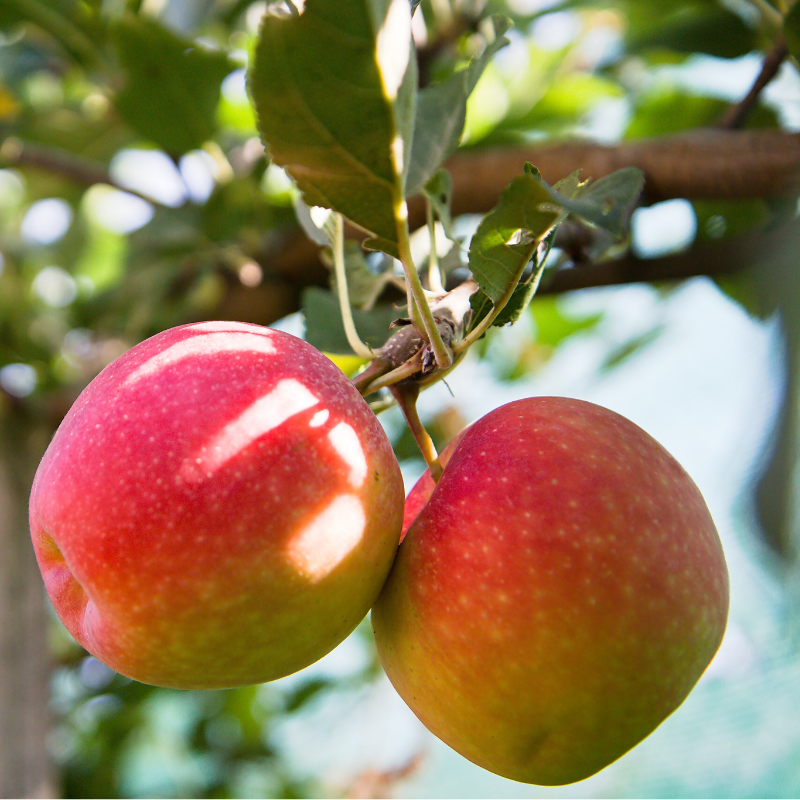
column 135, row 195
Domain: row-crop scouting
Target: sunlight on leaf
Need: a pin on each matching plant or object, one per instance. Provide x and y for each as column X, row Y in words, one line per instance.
column 334, row 94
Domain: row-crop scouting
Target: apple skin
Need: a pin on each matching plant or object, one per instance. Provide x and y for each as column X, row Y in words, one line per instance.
column 423, row 488
column 220, row 507
column 558, row 596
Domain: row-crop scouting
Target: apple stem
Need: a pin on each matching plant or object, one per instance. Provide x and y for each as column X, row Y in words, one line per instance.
column 375, row 369
column 406, row 395
column 406, row 370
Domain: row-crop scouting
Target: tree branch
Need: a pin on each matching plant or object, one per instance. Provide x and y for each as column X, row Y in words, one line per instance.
column 726, row 257
column 704, row 163
column 736, row 115
column 84, row 171
column 701, row 164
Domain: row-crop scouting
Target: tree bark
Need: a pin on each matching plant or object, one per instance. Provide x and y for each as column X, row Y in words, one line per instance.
column 707, row 163
column 25, row 767
column 700, row 164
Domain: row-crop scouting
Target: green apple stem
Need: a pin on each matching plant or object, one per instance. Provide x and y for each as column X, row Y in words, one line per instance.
column 406, row 370
column 406, row 395
column 375, row 369
column 353, row 339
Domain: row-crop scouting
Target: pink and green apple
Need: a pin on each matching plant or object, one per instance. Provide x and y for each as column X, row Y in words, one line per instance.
column 558, row 594
column 219, row 507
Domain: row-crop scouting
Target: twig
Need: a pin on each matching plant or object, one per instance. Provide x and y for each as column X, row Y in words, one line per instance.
column 16, row 153
column 729, row 256
column 735, row 116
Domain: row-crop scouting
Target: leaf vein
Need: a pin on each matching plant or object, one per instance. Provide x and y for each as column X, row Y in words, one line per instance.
column 315, row 122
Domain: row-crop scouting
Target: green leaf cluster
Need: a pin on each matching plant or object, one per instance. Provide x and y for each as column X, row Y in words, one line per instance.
column 359, row 140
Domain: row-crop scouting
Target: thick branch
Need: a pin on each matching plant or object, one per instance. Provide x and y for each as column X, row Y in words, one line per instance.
column 711, row 163
column 704, row 163
column 700, row 164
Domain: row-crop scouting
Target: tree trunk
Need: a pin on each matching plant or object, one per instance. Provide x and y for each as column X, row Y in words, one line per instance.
column 25, row 768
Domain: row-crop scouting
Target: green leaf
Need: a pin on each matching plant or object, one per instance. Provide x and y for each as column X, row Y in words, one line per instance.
column 791, row 30
column 775, row 281
column 553, row 102
column 717, row 219
column 571, row 185
column 513, row 309
column 325, row 329
column 669, row 109
column 364, row 285
column 607, row 202
column 172, row 88
column 691, row 27
column 334, row 88
column 525, row 212
column 317, row 223
column 630, row 348
column 388, row 246
column 553, row 326
column 438, row 192
column 442, row 110
column 306, row 692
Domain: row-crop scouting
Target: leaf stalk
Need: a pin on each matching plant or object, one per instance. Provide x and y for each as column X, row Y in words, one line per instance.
column 353, row 339
column 423, row 319
column 434, row 273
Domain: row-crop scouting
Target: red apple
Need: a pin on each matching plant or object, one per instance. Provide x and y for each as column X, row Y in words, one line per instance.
column 220, row 507
column 558, row 596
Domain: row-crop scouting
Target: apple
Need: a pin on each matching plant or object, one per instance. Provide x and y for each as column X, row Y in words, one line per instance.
column 220, row 507
column 557, row 596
